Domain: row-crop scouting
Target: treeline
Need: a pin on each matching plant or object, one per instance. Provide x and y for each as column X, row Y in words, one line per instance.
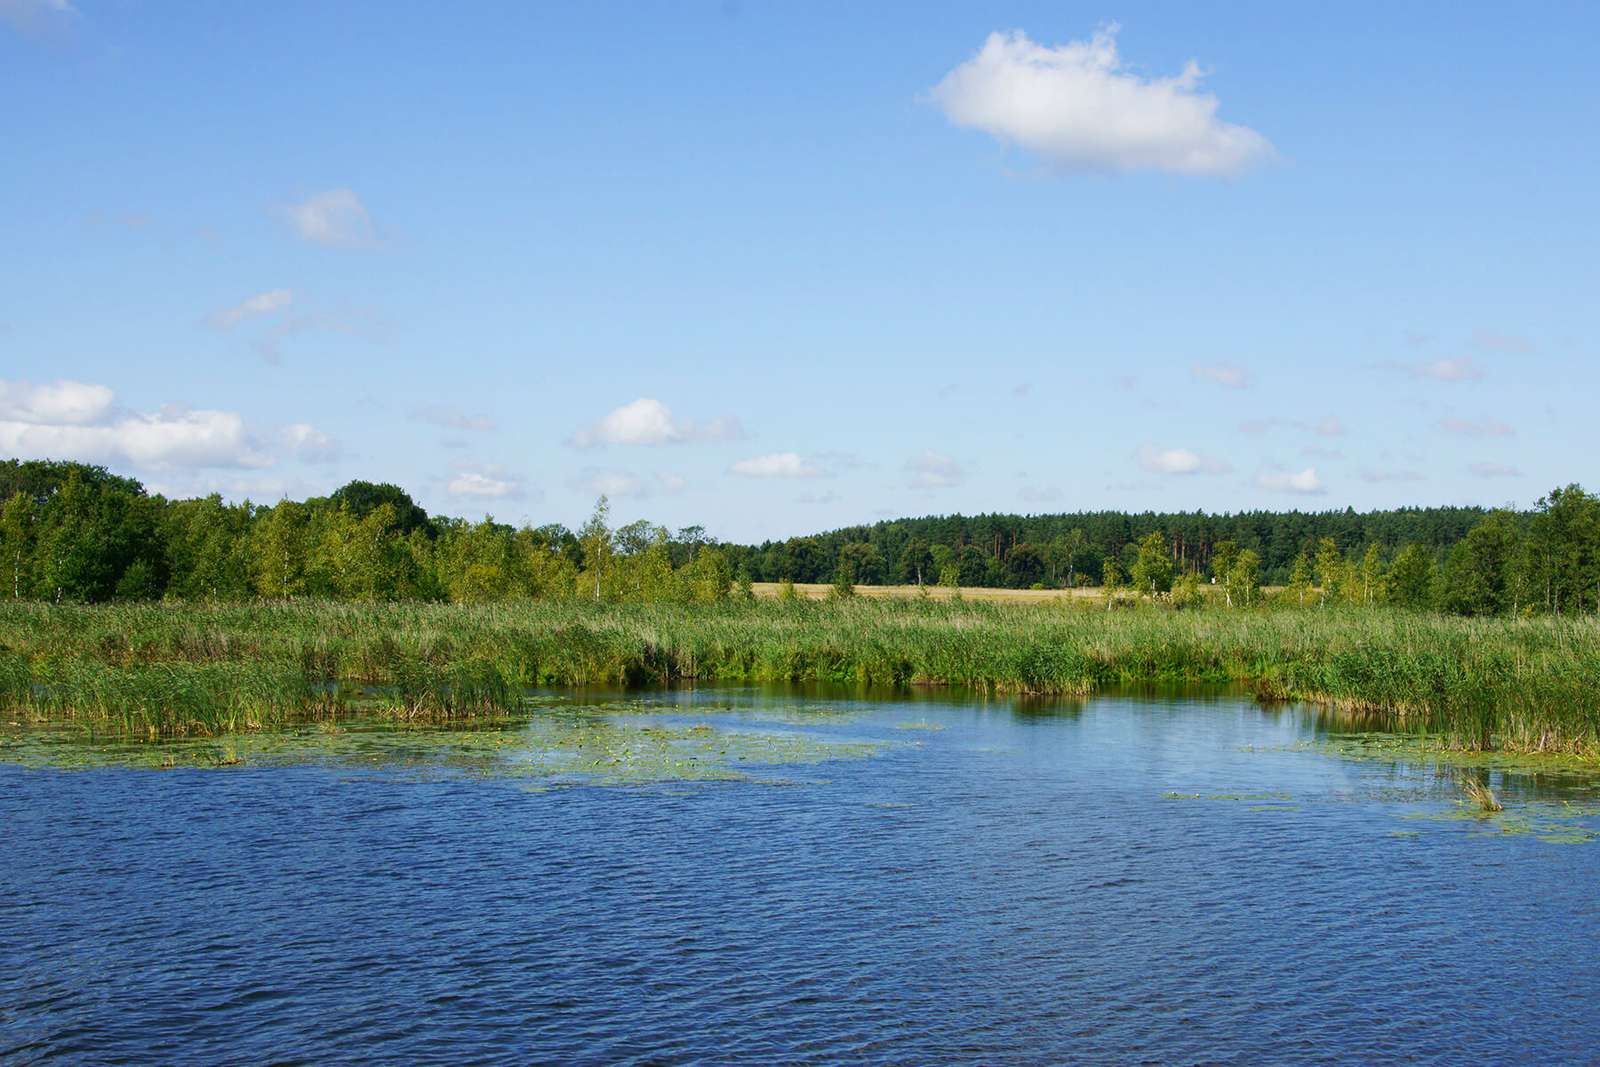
column 1021, row 551
column 71, row 531
column 1465, row 561
column 74, row 532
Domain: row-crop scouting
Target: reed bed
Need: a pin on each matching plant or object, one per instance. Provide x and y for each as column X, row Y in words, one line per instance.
column 1525, row 685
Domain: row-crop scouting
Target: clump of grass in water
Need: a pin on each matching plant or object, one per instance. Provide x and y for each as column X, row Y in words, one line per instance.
column 1481, row 796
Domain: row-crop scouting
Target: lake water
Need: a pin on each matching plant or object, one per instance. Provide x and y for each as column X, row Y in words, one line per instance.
column 1176, row 879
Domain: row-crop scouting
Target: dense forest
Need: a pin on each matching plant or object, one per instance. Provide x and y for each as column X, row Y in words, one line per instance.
column 1019, row 551
column 71, row 531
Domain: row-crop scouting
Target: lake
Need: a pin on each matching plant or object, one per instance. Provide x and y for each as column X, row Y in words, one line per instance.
column 743, row 875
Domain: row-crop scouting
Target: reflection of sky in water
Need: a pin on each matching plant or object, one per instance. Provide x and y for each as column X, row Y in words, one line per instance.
column 1175, row 877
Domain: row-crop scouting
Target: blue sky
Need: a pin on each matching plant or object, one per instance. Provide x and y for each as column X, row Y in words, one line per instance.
column 780, row 268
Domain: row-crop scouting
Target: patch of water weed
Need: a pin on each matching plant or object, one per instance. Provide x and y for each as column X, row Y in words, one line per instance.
column 930, row 726
column 1428, row 748
column 1556, row 822
column 1227, row 796
column 561, row 747
column 799, row 714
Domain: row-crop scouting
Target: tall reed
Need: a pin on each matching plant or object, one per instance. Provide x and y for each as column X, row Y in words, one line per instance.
column 1519, row 684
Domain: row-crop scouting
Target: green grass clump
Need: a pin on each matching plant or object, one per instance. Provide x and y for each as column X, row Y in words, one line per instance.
column 1522, row 685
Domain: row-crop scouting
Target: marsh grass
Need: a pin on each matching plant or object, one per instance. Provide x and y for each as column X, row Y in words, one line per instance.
column 1480, row 796
column 195, row 669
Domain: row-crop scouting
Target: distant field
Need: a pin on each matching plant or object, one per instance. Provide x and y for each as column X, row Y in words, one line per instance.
column 817, row 591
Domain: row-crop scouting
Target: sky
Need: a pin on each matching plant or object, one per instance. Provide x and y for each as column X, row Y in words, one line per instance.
column 780, row 268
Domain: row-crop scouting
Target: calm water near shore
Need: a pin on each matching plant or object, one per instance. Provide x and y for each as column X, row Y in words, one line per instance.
column 795, row 876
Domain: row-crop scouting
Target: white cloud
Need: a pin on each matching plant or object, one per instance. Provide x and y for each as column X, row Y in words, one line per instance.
column 1462, row 369
column 60, row 402
column 80, row 421
column 933, row 470
column 1178, row 461
column 1485, row 427
column 452, row 418
column 1224, row 374
column 1305, row 481
column 167, row 438
column 335, row 218
column 260, row 304
column 260, row 486
column 647, row 421
column 1494, row 470
column 1329, row 426
column 483, row 483
column 1078, row 107
column 309, row 444
column 776, row 465
column 672, row 483
column 613, row 483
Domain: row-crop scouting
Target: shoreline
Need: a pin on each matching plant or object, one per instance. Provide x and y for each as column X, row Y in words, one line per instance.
column 170, row 669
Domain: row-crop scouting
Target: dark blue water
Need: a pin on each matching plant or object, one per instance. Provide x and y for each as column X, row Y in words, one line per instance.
column 1013, row 888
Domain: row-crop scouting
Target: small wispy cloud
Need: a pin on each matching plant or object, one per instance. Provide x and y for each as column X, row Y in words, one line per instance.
column 362, row 323
column 1305, row 481
column 334, row 219
column 1459, row 369
column 1078, row 107
column 1494, row 470
column 309, row 444
column 1158, row 460
column 267, row 303
column 776, row 465
column 933, row 470
column 1484, row 427
column 1227, row 375
column 451, row 418
column 1040, row 494
column 1327, row 426
column 611, row 483
column 1379, row 475
column 483, row 483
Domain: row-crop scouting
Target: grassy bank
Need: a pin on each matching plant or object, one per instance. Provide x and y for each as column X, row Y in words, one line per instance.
column 183, row 669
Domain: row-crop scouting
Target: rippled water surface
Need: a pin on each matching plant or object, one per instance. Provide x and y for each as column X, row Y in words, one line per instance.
column 911, row 881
